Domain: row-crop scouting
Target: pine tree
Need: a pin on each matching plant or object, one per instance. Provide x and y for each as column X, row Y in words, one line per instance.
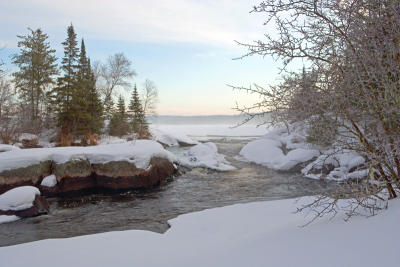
column 119, row 125
column 37, row 66
column 65, row 90
column 138, row 121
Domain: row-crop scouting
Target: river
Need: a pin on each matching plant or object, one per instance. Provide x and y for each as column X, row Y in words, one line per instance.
column 193, row 190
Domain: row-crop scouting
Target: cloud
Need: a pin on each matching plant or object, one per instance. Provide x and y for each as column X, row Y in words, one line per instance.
column 215, row 22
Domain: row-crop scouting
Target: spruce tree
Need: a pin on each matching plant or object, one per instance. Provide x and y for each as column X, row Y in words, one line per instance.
column 65, row 90
column 95, row 105
column 36, row 67
column 119, row 125
column 87, row 105
column 138, row 121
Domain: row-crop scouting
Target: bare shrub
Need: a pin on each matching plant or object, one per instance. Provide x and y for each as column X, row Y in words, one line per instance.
column 351, row 81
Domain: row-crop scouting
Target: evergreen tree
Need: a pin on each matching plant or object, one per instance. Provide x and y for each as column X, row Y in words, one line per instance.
column 36, row 63
column 65, row 90
column 119, row 125
column 95, row 105
column 138, row 120
column 87, row 105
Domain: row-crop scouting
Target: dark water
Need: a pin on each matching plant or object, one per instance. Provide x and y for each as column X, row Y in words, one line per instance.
column 194, row 190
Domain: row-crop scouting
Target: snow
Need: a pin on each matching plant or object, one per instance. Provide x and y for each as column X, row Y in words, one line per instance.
column 19, row 198
column 171, row 139
column 6, row 148
column 49, row 181
column 254, row 234
column 205, row 155
column 268, row 150
column 138, row 152
column 8, row 218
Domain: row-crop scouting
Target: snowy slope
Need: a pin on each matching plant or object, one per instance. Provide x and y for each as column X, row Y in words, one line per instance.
column 254, row 234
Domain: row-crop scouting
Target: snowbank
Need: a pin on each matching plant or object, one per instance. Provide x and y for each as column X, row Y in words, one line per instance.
column 205, row 155
column 171, row 139
column 254, row 234
column 19, row 198
column 269, row 150
column 6, row 148
column 138, row 152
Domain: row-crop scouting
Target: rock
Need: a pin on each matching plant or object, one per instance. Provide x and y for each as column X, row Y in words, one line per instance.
column 24, row 201
column 30, row 175
column 184, row 144
column 325, row 169
column 123, row 175
column 79, row 174
column 29, row 140
column 40, row 206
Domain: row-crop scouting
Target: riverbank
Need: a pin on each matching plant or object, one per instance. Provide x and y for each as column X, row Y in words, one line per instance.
column 253, row 234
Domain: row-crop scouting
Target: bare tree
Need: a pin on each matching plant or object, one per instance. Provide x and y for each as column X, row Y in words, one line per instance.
column 115, row 72
column 352, row 53
column 149, row 98
column 8, row 111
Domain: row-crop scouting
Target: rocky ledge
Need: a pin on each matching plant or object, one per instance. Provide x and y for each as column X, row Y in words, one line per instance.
column 80, row 174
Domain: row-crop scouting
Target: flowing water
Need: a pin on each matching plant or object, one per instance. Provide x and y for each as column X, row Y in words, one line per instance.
column 194, row 190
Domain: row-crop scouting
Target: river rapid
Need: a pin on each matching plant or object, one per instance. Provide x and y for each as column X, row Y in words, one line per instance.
column 193, row 190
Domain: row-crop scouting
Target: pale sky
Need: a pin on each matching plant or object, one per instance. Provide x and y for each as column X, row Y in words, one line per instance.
column 185, row 46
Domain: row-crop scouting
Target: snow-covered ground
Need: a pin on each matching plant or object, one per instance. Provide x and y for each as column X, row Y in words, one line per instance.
column 253, row 234
column 138, row 152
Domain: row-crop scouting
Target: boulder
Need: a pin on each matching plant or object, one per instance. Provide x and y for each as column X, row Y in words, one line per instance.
column 123, row 174
column 29, row 175
column 23, row 202
column 29, row 140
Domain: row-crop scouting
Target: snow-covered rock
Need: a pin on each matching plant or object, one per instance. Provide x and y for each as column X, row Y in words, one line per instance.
column 172, row 140
column 29, row 140
column 269, row 150
column 138, row 152
column 49, row 181
column 253, row 234
column 205, row 155
column 19, row 198
column 336, row 165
